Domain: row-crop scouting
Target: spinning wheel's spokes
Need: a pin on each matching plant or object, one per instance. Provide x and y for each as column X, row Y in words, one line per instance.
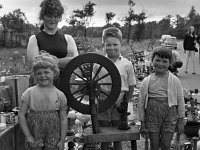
column 79, row 76
column 82, row 71
column 73, row 83
column 81, row 97
column 104, row 83
column 79, row 90
column 99, row 69
column 106, row 94
column 102, row 77
column 91, row 70
column 82, row 86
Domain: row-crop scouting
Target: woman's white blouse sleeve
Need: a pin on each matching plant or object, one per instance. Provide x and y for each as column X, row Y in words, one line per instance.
column 71, row 47
column 32, row 48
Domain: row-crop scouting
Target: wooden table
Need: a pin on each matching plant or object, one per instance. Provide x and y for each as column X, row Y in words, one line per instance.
column 12, row 138
column 7, row 140
column 110, row 134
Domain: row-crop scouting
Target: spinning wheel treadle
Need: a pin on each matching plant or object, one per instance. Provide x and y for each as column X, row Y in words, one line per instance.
column 88, row 86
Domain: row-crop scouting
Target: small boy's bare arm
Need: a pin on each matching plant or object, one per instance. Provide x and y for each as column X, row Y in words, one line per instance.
column 130, row 93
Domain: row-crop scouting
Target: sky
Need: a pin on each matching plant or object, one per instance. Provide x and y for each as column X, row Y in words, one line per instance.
column 155, row 9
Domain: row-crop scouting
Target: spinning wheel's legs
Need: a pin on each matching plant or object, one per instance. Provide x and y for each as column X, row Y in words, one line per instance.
column 195, row 144
column 94, row 110
column 70, row 131
column 134, row 145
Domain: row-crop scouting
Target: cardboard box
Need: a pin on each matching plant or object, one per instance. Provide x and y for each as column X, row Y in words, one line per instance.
column 18, row 84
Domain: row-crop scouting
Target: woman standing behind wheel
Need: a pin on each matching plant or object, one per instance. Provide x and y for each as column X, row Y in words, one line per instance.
column 50, row 39
column 189, row 47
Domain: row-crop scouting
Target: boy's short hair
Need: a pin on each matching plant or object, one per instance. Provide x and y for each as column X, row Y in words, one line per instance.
column 45, row 60
column 111, row 32
column 163, row 52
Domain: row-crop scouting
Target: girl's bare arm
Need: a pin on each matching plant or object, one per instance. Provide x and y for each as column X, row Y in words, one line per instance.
column 63, row 121
column 23, row 121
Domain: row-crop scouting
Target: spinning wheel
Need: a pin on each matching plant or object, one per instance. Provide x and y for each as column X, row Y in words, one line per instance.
column 82, row 87
column 81, row 83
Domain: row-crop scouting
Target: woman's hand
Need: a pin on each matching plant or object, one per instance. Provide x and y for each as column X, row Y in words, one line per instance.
column 61, row 145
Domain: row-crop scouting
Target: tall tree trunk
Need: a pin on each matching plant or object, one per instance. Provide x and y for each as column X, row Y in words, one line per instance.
column 85, row 32
column 4, row 38
column 129, row 32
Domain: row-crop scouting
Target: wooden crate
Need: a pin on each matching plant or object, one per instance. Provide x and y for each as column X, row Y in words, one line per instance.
column 5, row 97
column 18, row 84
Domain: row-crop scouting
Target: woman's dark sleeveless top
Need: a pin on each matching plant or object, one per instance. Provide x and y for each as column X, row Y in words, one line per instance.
column 53, row 44
column 189, row 43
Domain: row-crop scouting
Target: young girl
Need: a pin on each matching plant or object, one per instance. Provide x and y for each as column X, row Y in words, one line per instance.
column 161, row 102
column 42, row 114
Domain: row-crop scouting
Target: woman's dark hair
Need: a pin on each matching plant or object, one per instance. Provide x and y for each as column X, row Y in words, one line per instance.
column 42, row 27
column 162, row 52
column 51, row 8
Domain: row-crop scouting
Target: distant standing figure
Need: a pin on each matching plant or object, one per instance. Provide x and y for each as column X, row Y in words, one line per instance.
column 189, row 47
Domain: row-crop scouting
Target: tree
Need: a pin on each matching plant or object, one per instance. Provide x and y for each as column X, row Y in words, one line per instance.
column 4, row 21
column 180, row 26
column 74, row 23
column 140, row 26
column 130, row 18
column 85, row 15
column 165, row 25
column 13, row 24
column 116, row 24
column 109, row 17
column 193, row 19
column 192, row 13
column 150, row 30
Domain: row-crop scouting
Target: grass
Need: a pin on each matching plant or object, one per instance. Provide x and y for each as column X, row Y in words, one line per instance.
column 11, row 61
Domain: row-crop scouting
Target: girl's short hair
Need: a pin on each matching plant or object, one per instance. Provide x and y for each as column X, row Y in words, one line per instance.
column 43, row 61
column 163, row 52
column 111, row 32
column 51, row 8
